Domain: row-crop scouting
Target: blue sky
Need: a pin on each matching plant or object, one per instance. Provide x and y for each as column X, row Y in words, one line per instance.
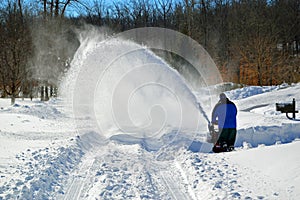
column 74, row 10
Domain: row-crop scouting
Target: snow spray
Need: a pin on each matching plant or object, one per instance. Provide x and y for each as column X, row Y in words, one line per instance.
column 203, row 113
column 124, row 88
column 54, row 45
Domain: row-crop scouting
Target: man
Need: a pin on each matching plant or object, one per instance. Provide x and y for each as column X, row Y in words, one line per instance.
column 224, row 114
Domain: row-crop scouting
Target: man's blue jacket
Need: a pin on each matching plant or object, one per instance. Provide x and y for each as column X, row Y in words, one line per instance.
column 224, row 114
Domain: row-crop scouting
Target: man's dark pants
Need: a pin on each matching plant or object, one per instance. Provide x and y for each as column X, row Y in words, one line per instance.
column 227, row 135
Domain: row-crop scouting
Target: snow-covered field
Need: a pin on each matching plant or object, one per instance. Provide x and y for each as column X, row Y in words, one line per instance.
column 43, row 155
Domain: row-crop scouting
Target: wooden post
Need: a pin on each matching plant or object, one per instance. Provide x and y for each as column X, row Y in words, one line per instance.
column 294, row 108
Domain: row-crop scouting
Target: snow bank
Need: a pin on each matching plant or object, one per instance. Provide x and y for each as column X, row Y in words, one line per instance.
column 268, row 135
column 36, row 108
column 41, row 173
column 258, row 120
column 38, row 149
column 250, row 91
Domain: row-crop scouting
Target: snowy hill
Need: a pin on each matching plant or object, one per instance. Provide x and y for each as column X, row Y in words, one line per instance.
column 44, row 155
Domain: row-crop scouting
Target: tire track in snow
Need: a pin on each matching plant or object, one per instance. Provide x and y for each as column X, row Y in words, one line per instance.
column 173, row 187
column 78, row 180
column 90, row 143
column 176, row 183
column 161, row 179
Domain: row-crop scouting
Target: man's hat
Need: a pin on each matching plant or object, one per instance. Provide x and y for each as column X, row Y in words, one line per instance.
column 222, row 96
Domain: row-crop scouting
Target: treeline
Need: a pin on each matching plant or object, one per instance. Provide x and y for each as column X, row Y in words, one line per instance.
column 36, row 47
column 254, row 42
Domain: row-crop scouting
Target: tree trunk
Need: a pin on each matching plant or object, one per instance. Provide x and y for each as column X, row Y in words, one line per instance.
column 45, row 9
column 12, row 100
column 46, row 93
column 64, row 8
column 56, row 11
column 42, row 93
column 20, row 7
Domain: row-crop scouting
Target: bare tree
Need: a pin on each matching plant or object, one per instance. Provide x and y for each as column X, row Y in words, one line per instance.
column 96, row 12
column 164, row 7
column 56, row 8
column 139, row 11
column 15, row 44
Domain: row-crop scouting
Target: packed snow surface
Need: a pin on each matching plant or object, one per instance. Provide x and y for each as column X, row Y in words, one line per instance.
column 51, row 150
column 43, row 157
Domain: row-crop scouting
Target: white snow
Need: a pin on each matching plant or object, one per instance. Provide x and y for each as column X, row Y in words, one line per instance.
column 124, row 87
column 43, row 157
column 48, row 152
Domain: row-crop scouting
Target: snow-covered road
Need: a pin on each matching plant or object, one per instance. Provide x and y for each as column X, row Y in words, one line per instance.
column 112, row 170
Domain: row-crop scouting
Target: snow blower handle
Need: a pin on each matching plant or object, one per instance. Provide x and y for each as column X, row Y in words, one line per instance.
column 211, row 127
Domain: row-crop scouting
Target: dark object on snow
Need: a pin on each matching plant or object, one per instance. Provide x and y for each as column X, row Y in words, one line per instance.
column 214, row 133
column 224, row 114
column 218, row 148
column 287, row 108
